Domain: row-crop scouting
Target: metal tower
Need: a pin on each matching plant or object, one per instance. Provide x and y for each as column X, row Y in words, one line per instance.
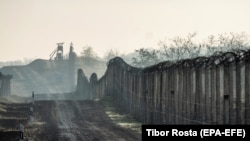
column 58, row 51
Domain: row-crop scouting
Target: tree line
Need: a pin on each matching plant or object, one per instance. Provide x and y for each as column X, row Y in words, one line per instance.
column 172, row 49
column 179, row 48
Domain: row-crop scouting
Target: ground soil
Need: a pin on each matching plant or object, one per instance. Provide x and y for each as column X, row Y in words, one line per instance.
column 63, row 120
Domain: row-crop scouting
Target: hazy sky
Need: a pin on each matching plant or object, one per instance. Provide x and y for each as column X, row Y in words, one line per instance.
column 31, row 28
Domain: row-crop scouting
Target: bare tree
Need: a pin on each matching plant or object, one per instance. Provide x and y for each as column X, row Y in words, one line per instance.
column 180, row 48
column 227, row 42
column 88, row 55
column 110, row 54
column 88, row 52
column 233, row 41
column 210, row 45
column 146, row 57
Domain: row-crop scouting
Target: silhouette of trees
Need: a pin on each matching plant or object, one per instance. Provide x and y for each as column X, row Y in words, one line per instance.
column 88, row 52
column 146, row 57
column 88, row 55
column 110, row 54
column 179, row 48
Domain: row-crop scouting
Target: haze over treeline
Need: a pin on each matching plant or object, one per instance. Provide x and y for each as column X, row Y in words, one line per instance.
column 174, row 48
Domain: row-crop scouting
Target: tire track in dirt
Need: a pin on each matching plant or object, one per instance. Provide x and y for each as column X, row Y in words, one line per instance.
column 65, row 114
column 87, row 120
column 70, row 120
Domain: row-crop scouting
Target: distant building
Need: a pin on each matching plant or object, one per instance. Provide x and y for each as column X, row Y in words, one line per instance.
column 5, row 84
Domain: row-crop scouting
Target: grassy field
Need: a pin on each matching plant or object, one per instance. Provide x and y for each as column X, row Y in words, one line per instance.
column 119, row 118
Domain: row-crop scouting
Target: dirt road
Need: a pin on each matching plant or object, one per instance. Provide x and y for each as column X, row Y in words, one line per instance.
column 77, row 121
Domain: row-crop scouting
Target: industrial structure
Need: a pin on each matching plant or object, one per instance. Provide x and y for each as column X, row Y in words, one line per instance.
column 5, row 84
column 69, row 64
column 58, row 52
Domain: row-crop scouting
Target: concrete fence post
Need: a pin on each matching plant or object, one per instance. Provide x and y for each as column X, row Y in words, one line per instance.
column 202, row 96
column 232, row 91
column 180, row 96
column 164, row 96
column 33, row 97
column 213, row 95
column 226, row 94
column 21, row 130
column 31, row 116
column 241, row 97
column 192, row 93
column 211, row 90
column 197, row 95
column 247, row 90
column 174, row 77
column 188, row 94
column 220, row 92
column 207, row 101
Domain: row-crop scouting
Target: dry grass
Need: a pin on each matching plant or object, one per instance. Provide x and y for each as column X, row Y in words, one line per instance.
column 121, row 119
column 10, row 99
column 13, row 110
column 13, row 99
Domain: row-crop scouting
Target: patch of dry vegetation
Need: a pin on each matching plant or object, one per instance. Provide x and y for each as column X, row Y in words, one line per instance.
column 122, row 119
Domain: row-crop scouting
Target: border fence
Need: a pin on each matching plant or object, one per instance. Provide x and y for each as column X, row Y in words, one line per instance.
column 205, row 90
